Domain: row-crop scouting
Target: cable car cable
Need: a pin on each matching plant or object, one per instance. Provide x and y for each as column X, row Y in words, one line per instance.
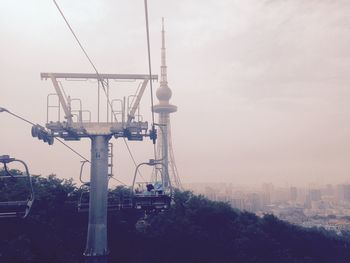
column 150, row 74
column 132, row 157
column 100, row 79
column 124, row 184
column 32, row 123
column 87, row 56
column 149, row 59
column 70, row 148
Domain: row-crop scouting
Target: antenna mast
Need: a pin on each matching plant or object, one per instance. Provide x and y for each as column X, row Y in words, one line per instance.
column 164, row 108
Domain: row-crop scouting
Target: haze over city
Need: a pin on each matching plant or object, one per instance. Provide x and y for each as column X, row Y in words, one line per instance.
column 261, row 86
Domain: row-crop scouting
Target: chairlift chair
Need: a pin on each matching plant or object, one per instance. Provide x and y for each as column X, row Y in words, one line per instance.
column 150, row 197
column 114, row 204
column 16, row 208
column 83, row 202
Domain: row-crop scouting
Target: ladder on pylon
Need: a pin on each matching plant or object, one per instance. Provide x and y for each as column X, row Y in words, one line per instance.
column 110, row 160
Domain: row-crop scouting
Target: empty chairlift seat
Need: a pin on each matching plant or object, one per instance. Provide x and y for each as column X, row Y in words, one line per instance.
column 14, row 208
column 11, row 183
column 114, row 202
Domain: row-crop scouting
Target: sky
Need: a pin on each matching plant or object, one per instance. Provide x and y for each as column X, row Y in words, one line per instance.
column 262, row 86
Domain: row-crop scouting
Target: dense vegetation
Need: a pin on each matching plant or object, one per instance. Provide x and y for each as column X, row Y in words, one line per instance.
column 194, row 230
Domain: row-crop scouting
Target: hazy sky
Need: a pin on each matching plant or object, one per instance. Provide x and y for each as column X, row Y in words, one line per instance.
column 262, row 87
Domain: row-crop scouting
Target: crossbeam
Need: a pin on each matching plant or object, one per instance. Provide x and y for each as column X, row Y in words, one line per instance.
column 95, row 76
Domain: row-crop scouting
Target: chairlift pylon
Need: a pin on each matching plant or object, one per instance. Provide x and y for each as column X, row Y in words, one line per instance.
column 16, row 208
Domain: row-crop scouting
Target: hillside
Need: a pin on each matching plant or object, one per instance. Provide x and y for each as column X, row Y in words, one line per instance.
column 193, row 230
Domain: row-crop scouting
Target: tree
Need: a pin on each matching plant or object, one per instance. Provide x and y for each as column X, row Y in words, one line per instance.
column 194, row 229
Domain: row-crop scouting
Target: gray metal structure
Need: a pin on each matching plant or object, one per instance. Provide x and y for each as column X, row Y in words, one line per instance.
column 100, row 133
column 165, row 152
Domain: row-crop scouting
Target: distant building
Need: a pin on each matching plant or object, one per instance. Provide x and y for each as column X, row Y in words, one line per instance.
column 342, row 192
column 293, row 194
column 268, row 190
column 210, row 193
column 329, row 190
column 339, row 192
column 315, row 194
column 307, row 203
column 265, row 199
column 237, row 203
column 228, row 190
column 253, row 203
column 346, row 192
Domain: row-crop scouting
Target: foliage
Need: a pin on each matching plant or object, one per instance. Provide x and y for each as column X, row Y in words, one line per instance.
column 193, row 230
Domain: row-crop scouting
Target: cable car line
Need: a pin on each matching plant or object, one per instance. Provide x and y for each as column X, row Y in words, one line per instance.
column 100, row 79
column 86, row 183
column 33, row 124
column 124, row 184
column 132, row 157
column 17, row 116
column 87, row 56
column 149, row 59
column 150, row 75
column 81, row 156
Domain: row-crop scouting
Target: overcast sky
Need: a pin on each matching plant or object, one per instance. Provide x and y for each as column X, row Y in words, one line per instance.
column 262, row 87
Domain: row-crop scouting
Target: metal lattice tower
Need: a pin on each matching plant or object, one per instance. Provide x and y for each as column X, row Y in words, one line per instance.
column 164, row 144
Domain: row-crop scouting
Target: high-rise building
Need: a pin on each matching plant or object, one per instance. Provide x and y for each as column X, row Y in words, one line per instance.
column 315, row 194
column 346, row 188
column 168, row 169
column 293, row 193
column 268, row 191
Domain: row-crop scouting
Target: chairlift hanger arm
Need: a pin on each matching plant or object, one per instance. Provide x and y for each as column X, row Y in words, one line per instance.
column 8, row 172
column 81, row 171
column 5, row 159
column 150, row 163
column 30, row 182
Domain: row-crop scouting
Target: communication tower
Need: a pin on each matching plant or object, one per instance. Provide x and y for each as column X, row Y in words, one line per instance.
column 164, row 143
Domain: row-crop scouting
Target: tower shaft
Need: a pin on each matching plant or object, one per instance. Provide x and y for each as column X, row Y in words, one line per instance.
column 164, row 108
column 96, row 245
column 164, row 145
column 165, row 152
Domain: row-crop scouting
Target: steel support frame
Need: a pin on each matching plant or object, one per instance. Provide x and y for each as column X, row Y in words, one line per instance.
column 131, row 114
column 65, row 106
column 45, row 75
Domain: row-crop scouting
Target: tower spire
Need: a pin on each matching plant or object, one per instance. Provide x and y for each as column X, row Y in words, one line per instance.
column 163, row 67
column 167, row 170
